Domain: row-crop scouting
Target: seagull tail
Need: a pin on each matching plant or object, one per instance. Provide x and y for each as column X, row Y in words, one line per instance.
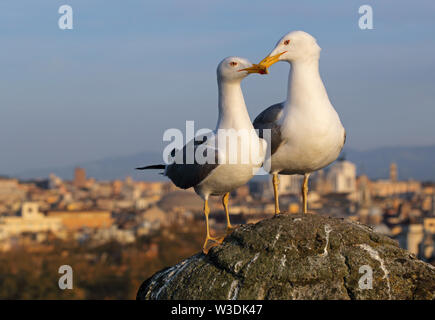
column 156, row 166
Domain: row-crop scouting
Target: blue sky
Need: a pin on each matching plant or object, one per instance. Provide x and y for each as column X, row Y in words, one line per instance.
column 131, row 69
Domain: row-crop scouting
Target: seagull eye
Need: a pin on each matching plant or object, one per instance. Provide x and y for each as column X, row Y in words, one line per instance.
column 233, row 63
column 286, row 42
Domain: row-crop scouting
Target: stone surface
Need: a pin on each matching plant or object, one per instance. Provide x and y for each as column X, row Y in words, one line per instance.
column 297, row 257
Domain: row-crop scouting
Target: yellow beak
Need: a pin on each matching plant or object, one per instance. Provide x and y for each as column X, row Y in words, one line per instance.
column 269, row 60
column 256, row 68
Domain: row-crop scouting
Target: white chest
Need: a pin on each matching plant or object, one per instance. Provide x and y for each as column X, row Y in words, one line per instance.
column 311, row 142
column 234, row 171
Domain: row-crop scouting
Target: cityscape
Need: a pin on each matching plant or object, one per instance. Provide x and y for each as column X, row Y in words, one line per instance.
column 123, row 231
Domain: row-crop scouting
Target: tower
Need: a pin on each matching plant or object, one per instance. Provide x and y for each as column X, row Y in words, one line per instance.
column 79, row 177
column 393, row 172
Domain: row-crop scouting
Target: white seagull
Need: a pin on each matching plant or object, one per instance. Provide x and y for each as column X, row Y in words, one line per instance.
column 213, row 170
column 307, row 133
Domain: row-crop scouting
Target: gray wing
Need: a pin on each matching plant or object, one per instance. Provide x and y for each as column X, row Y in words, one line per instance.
column 267, row 120
column 344, row 140
column 185, row 175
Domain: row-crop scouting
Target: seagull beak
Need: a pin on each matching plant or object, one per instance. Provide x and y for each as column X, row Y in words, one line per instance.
column 269, row 60
column 255, row 68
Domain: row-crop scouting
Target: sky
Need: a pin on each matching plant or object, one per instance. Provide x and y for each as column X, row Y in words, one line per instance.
column 131, row 69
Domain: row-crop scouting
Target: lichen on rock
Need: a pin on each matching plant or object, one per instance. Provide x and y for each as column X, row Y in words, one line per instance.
column 296, row 257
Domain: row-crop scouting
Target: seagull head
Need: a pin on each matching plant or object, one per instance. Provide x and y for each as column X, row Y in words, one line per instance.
column 236, row 68
column 294, row 46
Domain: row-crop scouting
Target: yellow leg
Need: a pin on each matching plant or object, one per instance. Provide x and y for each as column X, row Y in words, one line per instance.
column 275, row 182
column 305, row 192
column 208, row 237
column 225, row 204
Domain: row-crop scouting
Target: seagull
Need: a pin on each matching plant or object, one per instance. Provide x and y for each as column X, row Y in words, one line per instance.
column 306, row 131
column 221, row 173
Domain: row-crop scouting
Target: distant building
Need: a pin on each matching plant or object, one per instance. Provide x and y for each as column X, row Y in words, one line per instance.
column 155, row 215
column 393, row 172
column 364, row 197
column 260, row 189
column 79, row 178
column 114, row 233
column 30, row 210
column 386, row 188
column 7, row 184
column 342, row 177
column 319, row 183
column 420, row 239
column 54, row 181
column 117, row 187
column 241, row 192
column 31, row 220
column 76, row 220
column 392, row 186
column 10, row 190
column 289, row 184
column 414, row 237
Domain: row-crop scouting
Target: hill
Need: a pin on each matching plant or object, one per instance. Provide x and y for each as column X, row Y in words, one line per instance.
column 413, row 163
column 105, row 169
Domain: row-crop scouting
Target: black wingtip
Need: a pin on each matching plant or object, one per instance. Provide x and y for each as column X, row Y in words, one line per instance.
column 156, row 166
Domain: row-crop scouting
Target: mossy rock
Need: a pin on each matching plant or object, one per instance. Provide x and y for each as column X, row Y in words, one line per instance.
column 302, row 256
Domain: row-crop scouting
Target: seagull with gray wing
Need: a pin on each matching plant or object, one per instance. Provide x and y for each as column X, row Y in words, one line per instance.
column 307, row 133
column 223, row 173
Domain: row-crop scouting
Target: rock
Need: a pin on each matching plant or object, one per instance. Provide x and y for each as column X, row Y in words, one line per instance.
column 297, row 257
